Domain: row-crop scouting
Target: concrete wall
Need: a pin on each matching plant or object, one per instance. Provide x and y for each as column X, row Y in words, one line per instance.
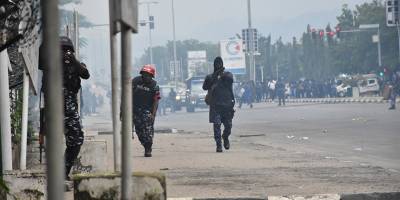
column 146, row 186
column 26, row 185
column 92, row 157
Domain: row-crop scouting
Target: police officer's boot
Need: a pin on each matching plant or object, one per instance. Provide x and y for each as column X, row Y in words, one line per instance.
column 147, row 150
column 226, row 142
column 219, row 148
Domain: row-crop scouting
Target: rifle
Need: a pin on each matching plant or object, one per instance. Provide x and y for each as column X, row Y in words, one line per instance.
column 42, row 131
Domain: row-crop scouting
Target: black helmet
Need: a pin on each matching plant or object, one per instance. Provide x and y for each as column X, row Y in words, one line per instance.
column 66, row 43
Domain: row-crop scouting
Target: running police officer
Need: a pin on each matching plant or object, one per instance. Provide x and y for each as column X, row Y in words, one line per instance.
column 73, row 72
column 221, row 100
column 146, row 94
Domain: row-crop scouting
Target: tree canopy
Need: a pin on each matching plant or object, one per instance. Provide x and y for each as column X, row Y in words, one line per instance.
column 311, row 56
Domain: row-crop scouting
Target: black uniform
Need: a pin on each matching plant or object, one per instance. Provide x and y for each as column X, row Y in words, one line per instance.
column 73, row 72
column 145, row 95
column 280, row 92
column 222, row 102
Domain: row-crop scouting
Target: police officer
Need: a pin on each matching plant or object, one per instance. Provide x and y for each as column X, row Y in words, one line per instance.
column 73, row 72
column 221, row 101
column 395, row 88
column 146, row 95
column 280, row 91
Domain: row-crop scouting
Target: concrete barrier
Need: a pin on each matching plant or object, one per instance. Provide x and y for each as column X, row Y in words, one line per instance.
column 313, row 197
column 372, row 196
column 92, row 158
column 146, row 186
column 25, row 185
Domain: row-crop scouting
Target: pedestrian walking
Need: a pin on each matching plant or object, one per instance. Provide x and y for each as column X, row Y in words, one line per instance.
column 221, row 100
column 74, row 71
column 172, row 99
column 146, row 95
column 395, row 82
column 271, row 86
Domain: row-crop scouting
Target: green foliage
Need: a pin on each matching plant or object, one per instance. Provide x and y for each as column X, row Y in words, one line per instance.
column 309, row 57
column 319, row 59
column 16, row 116
column 66, row 17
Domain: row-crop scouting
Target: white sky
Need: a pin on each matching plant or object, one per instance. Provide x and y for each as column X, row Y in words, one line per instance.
column 213, row 20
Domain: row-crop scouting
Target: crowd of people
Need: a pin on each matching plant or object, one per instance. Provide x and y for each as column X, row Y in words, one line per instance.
column 249, row 92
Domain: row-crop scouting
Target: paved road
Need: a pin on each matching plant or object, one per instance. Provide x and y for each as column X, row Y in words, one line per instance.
column 365, row 132
column 297, row 149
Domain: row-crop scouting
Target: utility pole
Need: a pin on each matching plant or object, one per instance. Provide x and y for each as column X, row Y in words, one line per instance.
column 150, row 39
column 126, row 112
column 174, row 44
column 115, row 81
column 124, row 19
column 379, row 48
column 398, row 34
column 5, row 115
column 53, row 99
column 251, row 44
column 150, row 28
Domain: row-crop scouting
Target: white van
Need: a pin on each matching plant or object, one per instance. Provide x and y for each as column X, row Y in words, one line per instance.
column 368, row 85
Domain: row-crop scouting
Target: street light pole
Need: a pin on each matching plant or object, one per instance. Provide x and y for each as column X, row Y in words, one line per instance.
column 251, row 43
column 398, row 35
column 372, row 26
column 150, row 39
column 379, row 48
column 174, row 43
column 148, row 19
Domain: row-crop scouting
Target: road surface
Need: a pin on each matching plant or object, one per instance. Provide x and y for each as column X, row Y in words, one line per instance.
column 298, row 149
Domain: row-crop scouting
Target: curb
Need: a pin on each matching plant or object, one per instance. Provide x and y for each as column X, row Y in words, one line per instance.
column 367, row 196
column 372, row 100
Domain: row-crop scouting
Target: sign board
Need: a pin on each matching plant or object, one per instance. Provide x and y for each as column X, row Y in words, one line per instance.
column 197, row 63
column 233, row 56
column 375, row 38
column 125, row 12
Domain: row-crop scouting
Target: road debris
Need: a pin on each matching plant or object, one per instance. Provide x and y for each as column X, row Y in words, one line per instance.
column 253, row 135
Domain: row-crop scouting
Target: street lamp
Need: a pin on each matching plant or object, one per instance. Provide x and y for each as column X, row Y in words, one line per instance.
column 251, row 44
column 174, row 43
column 150, row 19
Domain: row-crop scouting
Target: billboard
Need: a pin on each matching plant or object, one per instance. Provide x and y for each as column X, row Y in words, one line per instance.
column 197, row 63
column 233, row 56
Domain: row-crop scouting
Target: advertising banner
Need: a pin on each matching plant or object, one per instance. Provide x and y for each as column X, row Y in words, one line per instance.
column 197, row 63
column 233, row 56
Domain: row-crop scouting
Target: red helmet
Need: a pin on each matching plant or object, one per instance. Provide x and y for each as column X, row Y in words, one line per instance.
column 148, row 69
